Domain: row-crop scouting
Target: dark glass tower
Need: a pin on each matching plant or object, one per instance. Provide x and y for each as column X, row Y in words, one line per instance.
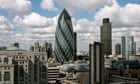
column 64, row 38
column 106, row 36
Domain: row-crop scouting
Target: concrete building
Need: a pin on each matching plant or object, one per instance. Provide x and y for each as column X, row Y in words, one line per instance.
column 29, row 67
column 46, row 47
column 53, row 74
column 106, row 36
column 6, row 70
column 128, row 46
column 117, row 49
column 96, row 63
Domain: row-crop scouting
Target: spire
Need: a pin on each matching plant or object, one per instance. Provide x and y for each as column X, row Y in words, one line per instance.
column 64, row 14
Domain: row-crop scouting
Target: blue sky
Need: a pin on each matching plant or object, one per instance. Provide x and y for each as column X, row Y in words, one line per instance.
column 27, row 21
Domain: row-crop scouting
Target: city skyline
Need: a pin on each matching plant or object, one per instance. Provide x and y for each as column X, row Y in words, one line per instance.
column 37, row 20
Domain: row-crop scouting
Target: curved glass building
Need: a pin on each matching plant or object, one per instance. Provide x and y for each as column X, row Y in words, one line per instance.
column 64, row 38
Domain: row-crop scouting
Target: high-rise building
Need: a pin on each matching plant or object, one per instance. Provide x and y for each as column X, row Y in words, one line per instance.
column 128, row 46
column 106, row 36
column 64, row 38
column 96, row 63
column 117, row 49
column 134, row 48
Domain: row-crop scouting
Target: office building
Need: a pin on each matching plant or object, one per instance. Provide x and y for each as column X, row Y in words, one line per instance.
column 106, row 36
column 96, row 63
column 117, row 49
column 64, row 38
column 46, row 47
column 128, row 46
column 28, row 67
column 6, row 70
column 134, row 48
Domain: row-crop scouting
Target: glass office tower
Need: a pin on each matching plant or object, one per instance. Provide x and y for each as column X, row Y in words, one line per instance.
column 128, row 45
column 106, row 36
column 64, row 38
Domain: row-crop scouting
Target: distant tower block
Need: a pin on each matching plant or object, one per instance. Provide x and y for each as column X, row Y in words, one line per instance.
column 36, row 47
column 96, row 63
column 117, row 49
column 106, row 36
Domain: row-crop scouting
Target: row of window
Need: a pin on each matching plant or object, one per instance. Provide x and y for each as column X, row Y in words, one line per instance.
column 6, row 76
column 5, row 60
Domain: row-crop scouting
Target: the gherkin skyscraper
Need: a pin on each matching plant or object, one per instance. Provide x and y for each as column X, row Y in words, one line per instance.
column 64, row 38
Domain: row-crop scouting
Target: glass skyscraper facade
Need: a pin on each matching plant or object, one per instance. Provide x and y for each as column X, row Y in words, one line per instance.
column 128, row 46
column 64, row 38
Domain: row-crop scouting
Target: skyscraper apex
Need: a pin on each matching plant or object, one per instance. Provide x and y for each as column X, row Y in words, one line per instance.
column 105, row 20
column 106, row 36
column 64, row 14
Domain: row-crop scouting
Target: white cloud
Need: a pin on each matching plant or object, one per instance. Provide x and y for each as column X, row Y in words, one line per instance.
column 33, row 20
column 5, row 26
column 16, row 6
column 6, row 31
column 82, row 25
column 84, row 5
column 36, row 27
column 127, row 16
column 49, row 5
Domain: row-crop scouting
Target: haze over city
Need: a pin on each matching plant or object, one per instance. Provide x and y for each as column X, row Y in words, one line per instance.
column 27, row 21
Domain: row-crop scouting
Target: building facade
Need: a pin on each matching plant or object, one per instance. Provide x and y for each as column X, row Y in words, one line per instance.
column 6, row 70
column 128, row 46
column 46, row 47
column 27, row 67
column 96, row 63
column 64, row 39
column 106, row 36
column 117, row 49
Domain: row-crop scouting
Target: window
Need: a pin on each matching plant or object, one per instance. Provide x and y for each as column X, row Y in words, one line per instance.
column 25, row 65
column 5, row 60
column 44, row 70
column 0, row 60
column 0, row 76
column 43, row 58
column 21, row 74
column 7, row 76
